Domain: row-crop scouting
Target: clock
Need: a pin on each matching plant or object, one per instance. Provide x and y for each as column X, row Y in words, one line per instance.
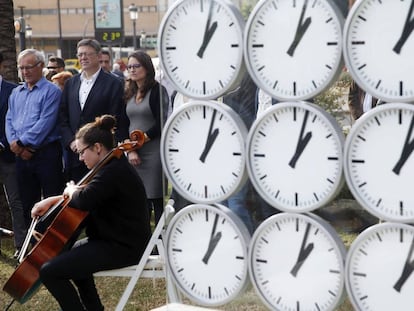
column 203, row 151
column 378, row 48
column 201, row 47
column 295, row 156
column 207, row 253
column 293, row 49
column 379, row 161
column 296, row 262
column 379, row 268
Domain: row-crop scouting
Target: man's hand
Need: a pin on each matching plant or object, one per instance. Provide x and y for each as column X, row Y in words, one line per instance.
column 15, row 148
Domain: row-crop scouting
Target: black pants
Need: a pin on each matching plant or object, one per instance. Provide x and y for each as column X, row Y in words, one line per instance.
column 78, row 265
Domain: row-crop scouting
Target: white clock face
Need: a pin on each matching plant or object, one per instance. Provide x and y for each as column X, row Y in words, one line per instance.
column 293, row 49
column 379, row 161
column 290, row 145
column 201, row 47
column 379, row 268
column 296, row 262
column 203, row 151
column 379, row 48
column 207, row 253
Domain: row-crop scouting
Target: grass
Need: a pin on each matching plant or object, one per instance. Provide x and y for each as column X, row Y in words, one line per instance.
column 145, row 296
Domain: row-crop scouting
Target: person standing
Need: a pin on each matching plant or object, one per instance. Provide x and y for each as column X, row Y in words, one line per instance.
column 117, row 226
column 8, row 168
column 105, row 61
column 86, row 96
column 55, row 65
column 146, row 109
column 33, row 133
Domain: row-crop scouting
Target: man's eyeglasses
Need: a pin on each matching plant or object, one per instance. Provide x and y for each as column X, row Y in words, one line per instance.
column 28, row 67
column 104, row 61
column 53, row 67
column 85, row 54
column 135, row 66
column 82, row 151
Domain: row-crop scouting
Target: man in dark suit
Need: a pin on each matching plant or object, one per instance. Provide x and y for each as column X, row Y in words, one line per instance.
column 8, row 175
column 86, row 96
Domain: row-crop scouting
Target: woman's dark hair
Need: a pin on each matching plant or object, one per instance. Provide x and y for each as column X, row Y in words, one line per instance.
column 131, row 88
column 101, row 131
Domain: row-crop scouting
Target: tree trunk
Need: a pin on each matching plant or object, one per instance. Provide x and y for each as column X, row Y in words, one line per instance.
column 8, row 42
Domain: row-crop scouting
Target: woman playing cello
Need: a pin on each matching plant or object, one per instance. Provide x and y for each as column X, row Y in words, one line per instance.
column 117, row 226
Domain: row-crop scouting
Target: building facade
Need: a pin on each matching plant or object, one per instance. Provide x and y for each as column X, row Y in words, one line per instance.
column 57, row 34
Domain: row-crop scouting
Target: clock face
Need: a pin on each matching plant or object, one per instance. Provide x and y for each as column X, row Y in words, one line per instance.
column 201, row 47
column 296, row 262
column 207, row 253
column 293, row 49
column 379, row 46
column 203, row 151
column 290, row 145
column 379, row 268
column 379, row 161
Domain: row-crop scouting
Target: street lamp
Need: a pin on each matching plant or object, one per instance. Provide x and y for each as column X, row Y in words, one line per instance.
column 133, row 15
column 29, row 33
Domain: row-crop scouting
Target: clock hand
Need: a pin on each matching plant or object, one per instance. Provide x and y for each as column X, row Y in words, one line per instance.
column 407, row 149
column 214, row 239
column 407, row 270
column 208, row 32
column 407, row 30
column 303, row 253
column 300, row 30
column 211, row 138
column 302, row 142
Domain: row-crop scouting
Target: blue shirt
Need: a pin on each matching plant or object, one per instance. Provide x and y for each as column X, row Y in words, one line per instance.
column 33, row 113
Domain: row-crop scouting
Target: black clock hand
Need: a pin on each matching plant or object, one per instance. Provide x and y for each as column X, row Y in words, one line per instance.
column 211, row 138
column 407, row 270
column 208, row 32
column 407, row 149
column 214, row 239
column 300, row 30
column 302, row 142
column 303, row 253
column 407, row 30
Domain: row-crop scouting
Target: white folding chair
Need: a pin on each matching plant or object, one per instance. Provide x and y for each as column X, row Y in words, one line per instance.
column 150, row 266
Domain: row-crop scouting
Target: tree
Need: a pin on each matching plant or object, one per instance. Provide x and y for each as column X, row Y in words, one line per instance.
column 8, row 43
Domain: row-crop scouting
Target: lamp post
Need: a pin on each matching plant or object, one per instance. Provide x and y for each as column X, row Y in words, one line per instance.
column 133, row 15
column 19, row 25
column 29, row 33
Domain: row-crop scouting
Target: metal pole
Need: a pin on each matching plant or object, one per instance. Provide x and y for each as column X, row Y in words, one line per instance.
column 22, row 34
column 60, row 43
column 134, row 37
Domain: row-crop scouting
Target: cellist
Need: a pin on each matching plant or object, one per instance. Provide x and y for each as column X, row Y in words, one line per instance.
column 117, row 227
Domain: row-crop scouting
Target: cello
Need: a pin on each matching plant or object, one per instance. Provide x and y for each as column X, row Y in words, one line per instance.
column 25, row 280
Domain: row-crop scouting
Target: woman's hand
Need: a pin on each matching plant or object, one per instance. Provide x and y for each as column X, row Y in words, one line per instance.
column 70, row 189
column 43, row 206
column 134, row 158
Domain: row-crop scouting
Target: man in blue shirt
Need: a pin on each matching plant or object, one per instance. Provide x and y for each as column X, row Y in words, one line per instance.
column 33, row 133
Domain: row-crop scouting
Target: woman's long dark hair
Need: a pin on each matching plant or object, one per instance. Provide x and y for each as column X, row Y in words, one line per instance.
column 131, row 87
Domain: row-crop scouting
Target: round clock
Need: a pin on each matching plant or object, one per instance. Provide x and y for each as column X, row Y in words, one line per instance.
column 379, row 268
column 207, row 253
column 296, row 262
column 201, row 47
column 295, row 155
column 379, row 46
column 293, row 49
column 379, row 161
column 203, row 151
